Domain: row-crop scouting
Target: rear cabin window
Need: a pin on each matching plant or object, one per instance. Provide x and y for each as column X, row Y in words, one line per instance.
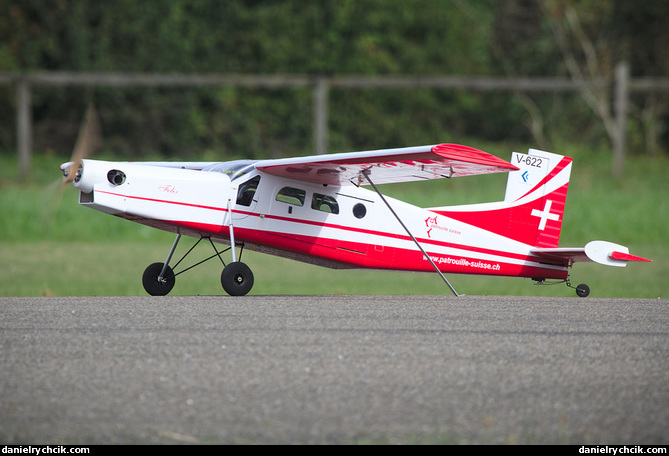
column 291, row 195
column 324, row 203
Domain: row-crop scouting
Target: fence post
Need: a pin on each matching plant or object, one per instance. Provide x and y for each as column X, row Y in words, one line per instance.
column 24, row 125
column 321, row 116
column 621, row 101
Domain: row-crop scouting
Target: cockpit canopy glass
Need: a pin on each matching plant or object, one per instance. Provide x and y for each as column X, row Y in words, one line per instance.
column 234, row 169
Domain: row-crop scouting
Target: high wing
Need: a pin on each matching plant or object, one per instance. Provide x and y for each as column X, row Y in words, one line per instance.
column 386, row 166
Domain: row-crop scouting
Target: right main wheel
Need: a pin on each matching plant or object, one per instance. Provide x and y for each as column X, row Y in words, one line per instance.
column 237, row 279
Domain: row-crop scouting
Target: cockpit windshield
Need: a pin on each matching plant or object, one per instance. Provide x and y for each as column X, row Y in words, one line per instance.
column 234, row 169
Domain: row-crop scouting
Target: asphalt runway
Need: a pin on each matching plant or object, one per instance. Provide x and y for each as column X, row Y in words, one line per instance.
column 334, row 370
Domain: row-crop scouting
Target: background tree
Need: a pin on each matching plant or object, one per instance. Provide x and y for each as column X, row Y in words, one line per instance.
column 323, row 37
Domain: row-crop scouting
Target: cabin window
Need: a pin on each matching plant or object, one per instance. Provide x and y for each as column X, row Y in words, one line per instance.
column 247, row 191
column 324, row 203
column 291, row 195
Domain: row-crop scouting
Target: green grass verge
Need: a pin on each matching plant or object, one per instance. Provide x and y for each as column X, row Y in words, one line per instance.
column 49, row 268
column 50, row 245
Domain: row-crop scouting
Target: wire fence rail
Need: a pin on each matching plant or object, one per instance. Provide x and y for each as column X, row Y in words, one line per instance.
column 619, row 86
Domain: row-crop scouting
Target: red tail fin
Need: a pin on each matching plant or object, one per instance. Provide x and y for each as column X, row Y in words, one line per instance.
column 534, row 203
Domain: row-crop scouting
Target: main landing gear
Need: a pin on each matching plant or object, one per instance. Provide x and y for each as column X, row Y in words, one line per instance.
column 582, row 290
column 236, row 278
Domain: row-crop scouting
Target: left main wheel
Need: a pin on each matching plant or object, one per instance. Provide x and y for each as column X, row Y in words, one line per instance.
column 156, row 287
column 237, row 279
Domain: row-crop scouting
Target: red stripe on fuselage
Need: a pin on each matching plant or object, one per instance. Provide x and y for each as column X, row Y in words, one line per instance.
column 376, row 256
column 154, row 200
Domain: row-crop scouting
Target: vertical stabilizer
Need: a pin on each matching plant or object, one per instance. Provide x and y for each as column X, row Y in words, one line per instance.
column 538, row 190
column 533, row 169
column 533, row 204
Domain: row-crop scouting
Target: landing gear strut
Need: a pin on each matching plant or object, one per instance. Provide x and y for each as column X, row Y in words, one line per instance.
column 159, row 278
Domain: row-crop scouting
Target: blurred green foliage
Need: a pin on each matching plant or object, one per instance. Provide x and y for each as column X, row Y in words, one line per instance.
column 325, row 37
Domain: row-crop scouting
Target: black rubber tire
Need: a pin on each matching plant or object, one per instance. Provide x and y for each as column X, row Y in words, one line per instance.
column 151, row 283
column 237, row 279
column 583, row 290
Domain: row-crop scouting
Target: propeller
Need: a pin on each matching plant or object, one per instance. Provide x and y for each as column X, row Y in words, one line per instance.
column 88, row 140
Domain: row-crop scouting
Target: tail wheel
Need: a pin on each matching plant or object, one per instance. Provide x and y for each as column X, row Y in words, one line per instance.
column 237, row 279
column 582, row 290
column 155, row 286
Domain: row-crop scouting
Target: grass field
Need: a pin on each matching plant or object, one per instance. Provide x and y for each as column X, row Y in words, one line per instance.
column 52, row 246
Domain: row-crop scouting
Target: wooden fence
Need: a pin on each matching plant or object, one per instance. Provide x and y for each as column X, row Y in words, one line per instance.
column 620, row 86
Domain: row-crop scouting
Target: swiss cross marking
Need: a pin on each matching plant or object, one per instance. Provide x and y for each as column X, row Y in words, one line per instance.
column 545, row 215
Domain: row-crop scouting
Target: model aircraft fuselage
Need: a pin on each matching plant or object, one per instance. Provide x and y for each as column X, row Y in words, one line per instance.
column 316, row 209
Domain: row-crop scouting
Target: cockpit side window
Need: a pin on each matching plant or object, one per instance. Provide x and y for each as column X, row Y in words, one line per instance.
column 324, row 203
column 247, row 191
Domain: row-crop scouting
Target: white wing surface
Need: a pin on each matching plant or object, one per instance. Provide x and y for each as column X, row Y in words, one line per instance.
column 388, row 165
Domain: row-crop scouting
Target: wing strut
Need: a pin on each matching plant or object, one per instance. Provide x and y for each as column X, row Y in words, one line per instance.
column 366, row 174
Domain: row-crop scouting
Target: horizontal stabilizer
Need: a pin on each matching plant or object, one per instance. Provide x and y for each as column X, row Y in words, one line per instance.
column 601, row 252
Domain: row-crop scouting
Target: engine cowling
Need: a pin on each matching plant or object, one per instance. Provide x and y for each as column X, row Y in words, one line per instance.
column 151, row 191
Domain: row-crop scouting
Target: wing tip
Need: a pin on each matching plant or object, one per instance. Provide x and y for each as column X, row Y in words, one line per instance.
column 471, row 155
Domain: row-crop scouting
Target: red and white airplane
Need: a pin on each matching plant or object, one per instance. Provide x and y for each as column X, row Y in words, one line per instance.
column 315, row 209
